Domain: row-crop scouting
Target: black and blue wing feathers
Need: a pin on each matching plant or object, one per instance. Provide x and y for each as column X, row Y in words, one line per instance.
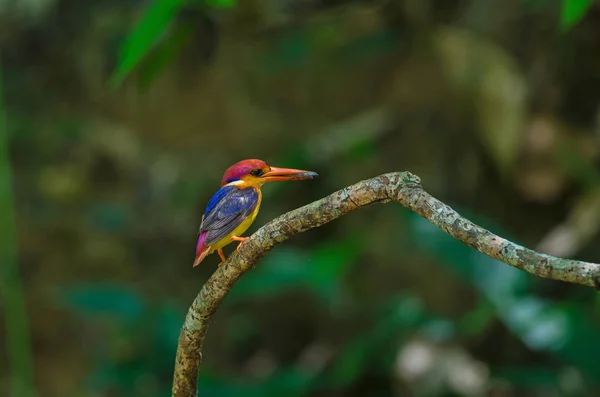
column 226, row 210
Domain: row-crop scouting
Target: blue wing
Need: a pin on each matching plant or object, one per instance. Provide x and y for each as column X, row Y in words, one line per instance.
column 226, row 210
column 218, row 196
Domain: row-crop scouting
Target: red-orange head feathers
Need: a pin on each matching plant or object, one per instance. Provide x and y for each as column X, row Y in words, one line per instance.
column 255, row 172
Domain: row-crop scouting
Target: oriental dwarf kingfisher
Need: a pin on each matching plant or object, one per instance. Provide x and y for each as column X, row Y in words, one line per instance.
column 233, row 208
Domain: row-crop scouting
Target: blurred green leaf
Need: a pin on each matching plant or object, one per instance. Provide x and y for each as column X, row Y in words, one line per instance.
column 492, row 77
column 158, row 59
column 145, row 34
column 581, row 345
column 351, row 363
column 136, row 346
column 297, row 48
column 241, row 327
column 169, row 321
column 368, row 47
column 499, row 281
column 288, row 381
column 329, row 263
column 282, row 269
column 110, row 217
column 11, row 287
column 529, row 377
column 401, row 314
column 565, row 331
column 363, row 150
column 222, row 3
column 476, row 321
column 320, row 270
column 98, row 299
column 576, row 166
column 572, row 12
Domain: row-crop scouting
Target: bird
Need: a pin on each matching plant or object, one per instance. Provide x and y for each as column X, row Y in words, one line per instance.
column 233, row 208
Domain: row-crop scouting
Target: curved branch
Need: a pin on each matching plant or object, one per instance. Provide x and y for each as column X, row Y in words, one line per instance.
column 402, row 187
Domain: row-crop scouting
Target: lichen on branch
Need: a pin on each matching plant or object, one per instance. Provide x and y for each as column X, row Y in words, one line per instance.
column 401, row 187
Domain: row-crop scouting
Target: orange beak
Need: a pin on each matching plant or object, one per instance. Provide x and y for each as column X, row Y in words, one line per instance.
column 287, row 174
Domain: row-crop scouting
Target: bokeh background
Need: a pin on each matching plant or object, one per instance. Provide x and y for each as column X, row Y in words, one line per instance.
column 121, row 117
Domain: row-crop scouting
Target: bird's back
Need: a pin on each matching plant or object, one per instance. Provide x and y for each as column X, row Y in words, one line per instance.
column 230, row 212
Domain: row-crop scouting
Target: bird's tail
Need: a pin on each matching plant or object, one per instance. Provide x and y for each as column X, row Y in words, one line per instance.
column 201, row 250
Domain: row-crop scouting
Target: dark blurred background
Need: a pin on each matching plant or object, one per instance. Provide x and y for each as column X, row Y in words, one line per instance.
column 493, row 103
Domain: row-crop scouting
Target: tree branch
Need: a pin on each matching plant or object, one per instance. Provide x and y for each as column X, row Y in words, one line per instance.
column 402, row 187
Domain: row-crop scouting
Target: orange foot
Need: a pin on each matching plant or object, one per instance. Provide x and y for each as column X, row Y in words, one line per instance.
column 222, row 255
column 240, row 239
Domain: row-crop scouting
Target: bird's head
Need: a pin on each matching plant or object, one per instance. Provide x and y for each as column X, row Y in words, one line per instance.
column 256, row 172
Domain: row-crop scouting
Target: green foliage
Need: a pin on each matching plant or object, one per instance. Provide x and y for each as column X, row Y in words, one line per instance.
column 572, row 11
column 165, row 52
column 320, row 271
column 531, row 377
column 221, row 3
column 155, row 39
column 97, row 300
column 579, row 168
column 399, row 315
column 287, row 381
column 563, row 329
column 140, row 338
column 144, row 36
column 141, row 224
column 152, row 34
column 11, row 288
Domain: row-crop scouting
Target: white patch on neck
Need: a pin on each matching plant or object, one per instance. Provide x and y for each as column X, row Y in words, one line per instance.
column 234, row 183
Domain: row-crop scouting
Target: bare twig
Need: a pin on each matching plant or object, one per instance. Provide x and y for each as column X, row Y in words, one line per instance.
column 402, row 187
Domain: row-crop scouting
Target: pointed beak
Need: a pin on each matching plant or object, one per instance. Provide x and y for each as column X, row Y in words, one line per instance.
column 287, row 174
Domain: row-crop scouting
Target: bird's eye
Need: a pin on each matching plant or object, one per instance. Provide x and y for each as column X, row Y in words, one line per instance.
column 256, row 172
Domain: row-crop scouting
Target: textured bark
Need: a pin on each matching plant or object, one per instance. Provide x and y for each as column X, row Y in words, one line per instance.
column 402, row 187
